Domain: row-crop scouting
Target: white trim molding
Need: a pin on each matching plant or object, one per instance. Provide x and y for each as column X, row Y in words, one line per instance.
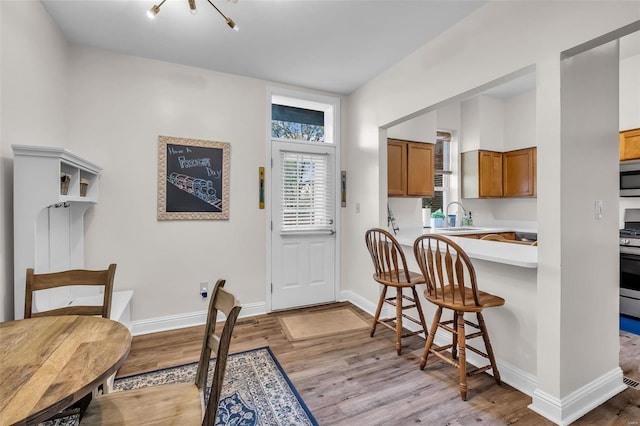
column 359, row 301
column 575, row 405
column 173, row 322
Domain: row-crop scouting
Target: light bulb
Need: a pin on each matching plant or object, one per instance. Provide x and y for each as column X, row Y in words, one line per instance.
column 151, row 13
column 192, row 7
column 232, row 24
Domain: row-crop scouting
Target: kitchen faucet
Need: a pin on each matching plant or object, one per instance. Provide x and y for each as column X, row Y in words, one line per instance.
column 447, row 210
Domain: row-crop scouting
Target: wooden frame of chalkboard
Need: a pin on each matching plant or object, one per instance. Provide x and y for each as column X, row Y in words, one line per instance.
column 193, row 179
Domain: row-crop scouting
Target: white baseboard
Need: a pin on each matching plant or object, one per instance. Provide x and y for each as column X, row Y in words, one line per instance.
column 575, row 405
column 173, row 322
column 359, row 301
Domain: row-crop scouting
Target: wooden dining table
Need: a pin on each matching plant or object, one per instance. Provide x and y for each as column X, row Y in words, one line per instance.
column 48, row 363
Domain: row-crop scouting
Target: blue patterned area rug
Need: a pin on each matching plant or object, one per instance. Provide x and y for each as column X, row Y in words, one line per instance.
column 256, row 391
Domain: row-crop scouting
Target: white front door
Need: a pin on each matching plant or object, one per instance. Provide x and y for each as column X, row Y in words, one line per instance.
column 303, row 224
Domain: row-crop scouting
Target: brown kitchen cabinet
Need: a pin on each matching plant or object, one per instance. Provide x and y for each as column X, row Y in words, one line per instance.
column 481, row 174
column 492, row 174
column 519, row 173
column 396, row 168
column 630, row 145
column 409, row 169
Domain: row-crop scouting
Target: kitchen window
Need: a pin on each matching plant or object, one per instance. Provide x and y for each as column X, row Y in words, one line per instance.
column 442, row 165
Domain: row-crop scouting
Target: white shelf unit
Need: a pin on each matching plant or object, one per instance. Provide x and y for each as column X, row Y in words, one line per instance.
column 49, row 224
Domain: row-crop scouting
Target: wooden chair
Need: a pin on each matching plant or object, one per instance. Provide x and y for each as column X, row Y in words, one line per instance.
column 76, row 277
column 176, row 403
column 451, row 284
column 391, row 270
column 71, row 278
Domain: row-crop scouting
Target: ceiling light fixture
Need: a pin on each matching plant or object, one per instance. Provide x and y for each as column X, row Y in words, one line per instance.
column 151, row 13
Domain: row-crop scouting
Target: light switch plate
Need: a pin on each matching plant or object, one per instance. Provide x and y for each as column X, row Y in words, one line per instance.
column 598, row 209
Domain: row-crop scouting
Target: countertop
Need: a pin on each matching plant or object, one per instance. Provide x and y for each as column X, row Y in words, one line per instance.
column 492, row 251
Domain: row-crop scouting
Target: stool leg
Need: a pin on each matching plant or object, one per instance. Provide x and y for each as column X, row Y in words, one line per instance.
column 487, row 345
column 454, row 337
column 383, row 294
column 398, row 320
column 425, row 328
column 462, row 361
column 432, row 334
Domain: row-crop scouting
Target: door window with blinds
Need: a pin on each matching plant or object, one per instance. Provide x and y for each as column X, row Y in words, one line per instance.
column 307, row 194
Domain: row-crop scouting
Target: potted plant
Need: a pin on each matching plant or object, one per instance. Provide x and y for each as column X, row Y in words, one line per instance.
column 437, row 219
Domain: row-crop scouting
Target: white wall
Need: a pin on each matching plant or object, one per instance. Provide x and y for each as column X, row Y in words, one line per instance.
column 630, row 90
column 110, row 109
column 519, row 123
column 33, row 87
column 421, row 81
column 120, row 104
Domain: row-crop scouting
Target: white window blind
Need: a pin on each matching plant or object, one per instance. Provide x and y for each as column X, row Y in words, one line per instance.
column 307, row 192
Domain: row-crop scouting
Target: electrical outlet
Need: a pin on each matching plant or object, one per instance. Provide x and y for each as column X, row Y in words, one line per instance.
column 203, row 289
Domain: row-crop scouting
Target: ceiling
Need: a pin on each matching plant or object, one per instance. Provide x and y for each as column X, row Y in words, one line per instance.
column 328, row 45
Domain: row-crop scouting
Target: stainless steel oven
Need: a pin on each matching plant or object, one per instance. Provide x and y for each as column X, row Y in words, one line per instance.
column 630, row 264
column 630, row 284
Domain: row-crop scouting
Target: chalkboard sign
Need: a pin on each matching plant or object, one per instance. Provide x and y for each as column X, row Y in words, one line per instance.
column 193, row 179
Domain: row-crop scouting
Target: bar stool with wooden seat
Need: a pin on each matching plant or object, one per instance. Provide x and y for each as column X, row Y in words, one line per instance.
column 451, row 284
column 391, row 271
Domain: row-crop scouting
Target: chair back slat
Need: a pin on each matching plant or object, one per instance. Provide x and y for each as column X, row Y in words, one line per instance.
column 438, row 263
column 76, row 277
column 218, row 343
column 88, row 310
column 432, row 284
column 387, row 256
column 441, row 258
column 448, row 261
column 459, row 268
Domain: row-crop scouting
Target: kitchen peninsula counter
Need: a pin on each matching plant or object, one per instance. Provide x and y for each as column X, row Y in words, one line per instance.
column 507, row 270
column 492, row 251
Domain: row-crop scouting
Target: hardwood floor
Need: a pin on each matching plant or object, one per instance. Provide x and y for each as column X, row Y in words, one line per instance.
column 354, row 379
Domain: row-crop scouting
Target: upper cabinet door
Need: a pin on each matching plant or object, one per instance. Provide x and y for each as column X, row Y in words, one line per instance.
column 409, row 169
column 490, row 174
column 630, row 145
column 420, row 169
column 519, row 173
column 396, row 168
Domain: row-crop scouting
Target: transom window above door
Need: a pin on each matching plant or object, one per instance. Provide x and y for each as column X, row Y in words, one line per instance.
column 299, row 120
